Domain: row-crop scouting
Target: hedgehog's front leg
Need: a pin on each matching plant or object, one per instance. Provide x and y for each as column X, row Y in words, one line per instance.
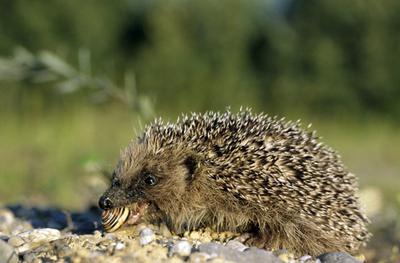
column 253, row 239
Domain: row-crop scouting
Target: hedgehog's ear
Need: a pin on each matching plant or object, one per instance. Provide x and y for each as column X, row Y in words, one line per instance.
column 191, row 164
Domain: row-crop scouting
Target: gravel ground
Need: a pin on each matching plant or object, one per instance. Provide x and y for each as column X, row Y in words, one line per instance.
column 32, row 234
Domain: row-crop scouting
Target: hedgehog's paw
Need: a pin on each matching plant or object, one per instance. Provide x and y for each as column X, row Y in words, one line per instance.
column 244, row 237
column 252, row 240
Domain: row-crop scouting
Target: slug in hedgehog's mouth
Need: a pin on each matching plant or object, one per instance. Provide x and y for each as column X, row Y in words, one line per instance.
column 114, row 219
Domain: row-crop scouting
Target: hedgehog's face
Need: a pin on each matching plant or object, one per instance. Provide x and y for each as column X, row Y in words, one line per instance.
column 147, row 181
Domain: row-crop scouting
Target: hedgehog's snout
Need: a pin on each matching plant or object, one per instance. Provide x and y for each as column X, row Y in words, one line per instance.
column 115, row 197
column 105, row 203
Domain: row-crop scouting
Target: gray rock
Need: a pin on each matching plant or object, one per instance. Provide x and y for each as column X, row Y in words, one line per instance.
column 62, row 248
column 260, row 255
column 182, row 248
column 236, row 245
column 305, row 258
column 213, row 249
column 7, row 253
column 336, row 257
column 199, row 257
column 4, row 237
column 31, row 239
column 146, row 236
column 30, row 258
column 284, row 255
column 250, row 255
column 22, row 227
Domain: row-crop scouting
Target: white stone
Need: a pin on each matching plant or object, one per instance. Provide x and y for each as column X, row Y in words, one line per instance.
column 305, row 258
column 7, row 253
column 119, row 246
column 146, row 236
column 182, row 248
column 236, row 245
column 31, row 239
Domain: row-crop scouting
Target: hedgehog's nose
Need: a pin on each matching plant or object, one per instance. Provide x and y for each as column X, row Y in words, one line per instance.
column 105, row 203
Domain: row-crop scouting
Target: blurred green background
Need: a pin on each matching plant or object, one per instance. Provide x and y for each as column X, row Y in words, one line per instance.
column 78, row 80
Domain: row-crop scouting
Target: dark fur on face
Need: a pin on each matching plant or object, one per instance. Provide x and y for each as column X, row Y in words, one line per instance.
column 149, row 177
column 141, row 174
column 179, row 192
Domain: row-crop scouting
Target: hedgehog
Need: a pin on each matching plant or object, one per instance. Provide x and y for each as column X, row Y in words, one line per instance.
column 269, row 180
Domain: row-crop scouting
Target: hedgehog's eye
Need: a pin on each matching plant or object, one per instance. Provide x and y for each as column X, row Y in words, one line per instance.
column 150, row 179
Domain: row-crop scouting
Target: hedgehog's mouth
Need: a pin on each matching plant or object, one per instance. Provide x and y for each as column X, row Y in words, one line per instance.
column 136, row 211
column 116, row 218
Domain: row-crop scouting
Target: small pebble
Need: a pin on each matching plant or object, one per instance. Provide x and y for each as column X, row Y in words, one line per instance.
column 94, row 255
column 360, row 257
column 119, row 246
column 260, row 255
column 30, row 257
column 336, row 257
column 195, row 235
column 206, row 237
column 214, row 235
column 216, row 250
column 62, row 247
column 236, row 245
column 286, row 257
column 16, row 241
column 97, row 234
column 33, row 238
column 4, row 237
column 140, row 227
column 182, row 248
column 24, row 226
column 220, row 260
column 213, row 249
column 305, row 258
column 198, row 257
column 146, row 236
column 175, row 260
column 223, row 235
column 110, row 236
column 7, row 253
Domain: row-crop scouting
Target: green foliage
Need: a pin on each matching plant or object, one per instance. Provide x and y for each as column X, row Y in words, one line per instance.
column 349, row 51
column 198, row 55
column 317, row 57
column 47, row 68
